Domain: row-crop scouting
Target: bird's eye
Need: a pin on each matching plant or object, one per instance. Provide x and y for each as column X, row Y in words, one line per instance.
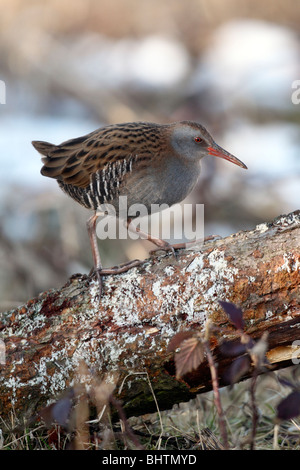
column 198, row 140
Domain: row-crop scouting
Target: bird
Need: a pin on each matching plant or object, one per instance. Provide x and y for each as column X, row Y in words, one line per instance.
column 149, row 163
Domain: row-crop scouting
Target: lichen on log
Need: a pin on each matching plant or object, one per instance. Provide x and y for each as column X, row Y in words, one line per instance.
column 129, row 330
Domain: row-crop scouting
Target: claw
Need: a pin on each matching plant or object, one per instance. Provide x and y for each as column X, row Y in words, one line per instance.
column 97, row 273
column 123, row 268
column 167, row 247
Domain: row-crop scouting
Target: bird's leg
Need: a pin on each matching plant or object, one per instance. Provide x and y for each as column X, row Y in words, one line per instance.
column 166, row 246
column 197, row 241
column 161, row 244
column 185, row 245
column 91, row 227
column 98, row 269
column 122, row 268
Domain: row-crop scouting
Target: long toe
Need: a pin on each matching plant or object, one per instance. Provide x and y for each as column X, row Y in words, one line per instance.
column 211, row 238
column 98, row 274
column 99, row 278
column 123, row 268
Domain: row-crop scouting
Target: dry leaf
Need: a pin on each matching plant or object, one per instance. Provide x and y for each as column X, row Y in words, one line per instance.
column 178, row 339
column 190, row 355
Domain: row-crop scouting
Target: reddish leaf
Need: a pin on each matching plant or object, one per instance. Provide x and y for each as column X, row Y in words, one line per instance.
column 234, row 313
column 237, row 369
column 59, row 412
column 178, row 339
column 190, row 355
column 232, row 348
column 289, row 407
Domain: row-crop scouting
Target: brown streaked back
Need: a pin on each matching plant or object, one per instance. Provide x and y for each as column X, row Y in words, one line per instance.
column 74, row 161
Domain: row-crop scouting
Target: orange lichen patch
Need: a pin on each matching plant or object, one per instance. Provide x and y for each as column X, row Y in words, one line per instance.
column 213, row 342
column 242, row 287
column 219, row 317
column 257, row 254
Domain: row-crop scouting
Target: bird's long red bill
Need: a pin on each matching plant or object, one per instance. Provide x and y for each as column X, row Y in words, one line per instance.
column 219, row 152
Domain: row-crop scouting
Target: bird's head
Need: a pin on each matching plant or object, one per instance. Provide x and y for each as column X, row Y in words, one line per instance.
column 192, row 142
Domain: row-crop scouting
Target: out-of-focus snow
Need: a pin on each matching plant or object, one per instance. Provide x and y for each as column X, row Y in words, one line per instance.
column 20, row 163
column 151, row 62
column 250, row 61
column 271, row 153
column 269, row 150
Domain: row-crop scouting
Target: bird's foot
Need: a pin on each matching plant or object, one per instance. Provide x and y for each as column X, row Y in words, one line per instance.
column 212, row 237
column 122, row 268
column 97, row 273
column 162, row 245
column 201, row 241
column 165, row 246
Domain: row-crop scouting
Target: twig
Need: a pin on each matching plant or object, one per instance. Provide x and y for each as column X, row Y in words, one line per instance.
column 217, row 398
column 254, row 409
column 22, row 437
column 275, row 438
column 123, row 418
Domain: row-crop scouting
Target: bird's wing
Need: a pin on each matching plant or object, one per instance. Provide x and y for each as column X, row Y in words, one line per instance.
column 74, row 161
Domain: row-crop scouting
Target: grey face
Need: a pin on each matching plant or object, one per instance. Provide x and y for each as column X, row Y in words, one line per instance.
column 193, row 142
column 190, row 142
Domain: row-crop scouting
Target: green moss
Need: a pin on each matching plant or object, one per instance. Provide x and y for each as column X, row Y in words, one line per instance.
column 140, row 399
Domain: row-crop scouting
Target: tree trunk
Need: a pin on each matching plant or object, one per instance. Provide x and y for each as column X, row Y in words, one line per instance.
column 129, row 330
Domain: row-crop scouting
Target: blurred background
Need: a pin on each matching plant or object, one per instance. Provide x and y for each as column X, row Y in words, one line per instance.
column 71, row 67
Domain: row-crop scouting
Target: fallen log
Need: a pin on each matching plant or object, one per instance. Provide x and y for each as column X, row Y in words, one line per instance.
column 129, row 330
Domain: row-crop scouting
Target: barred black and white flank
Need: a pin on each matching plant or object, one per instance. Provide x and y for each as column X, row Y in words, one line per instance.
column 104, row 186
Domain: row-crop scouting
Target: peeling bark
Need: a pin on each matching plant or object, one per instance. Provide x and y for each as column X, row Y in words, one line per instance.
column 141, row 310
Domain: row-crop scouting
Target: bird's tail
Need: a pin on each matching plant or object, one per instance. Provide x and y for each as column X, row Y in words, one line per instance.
column 54, row 158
